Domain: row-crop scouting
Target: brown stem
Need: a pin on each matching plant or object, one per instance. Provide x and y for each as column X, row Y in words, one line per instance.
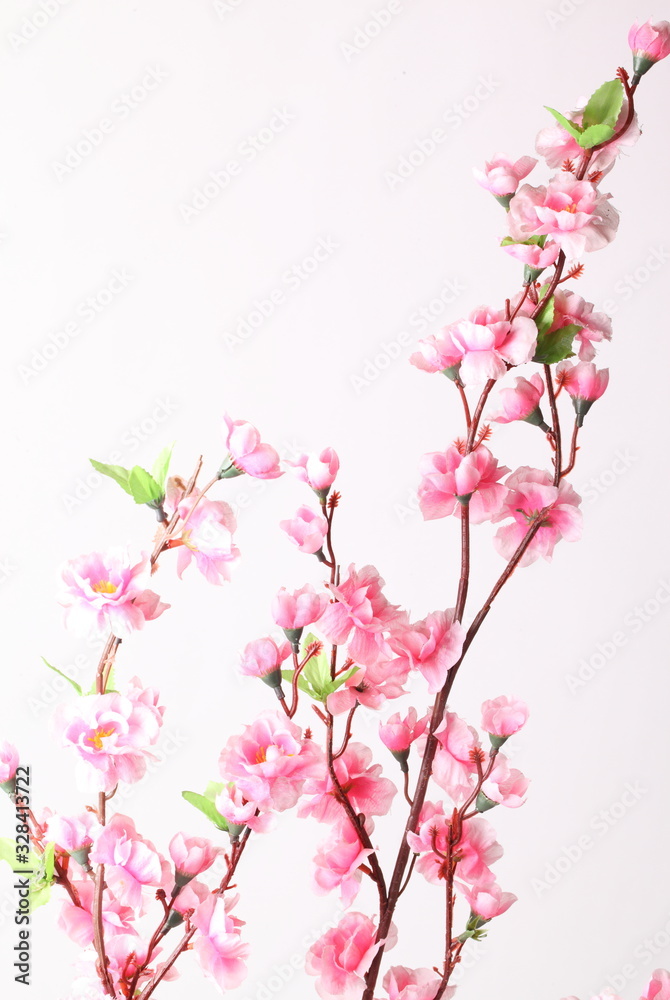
column 573, row 451
column 347, row 732
column 556, row 425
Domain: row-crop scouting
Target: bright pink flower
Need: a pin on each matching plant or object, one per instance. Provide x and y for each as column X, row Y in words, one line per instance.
column 318, row 471
column 130, row 862
column 520, row 402
column 342, row 957
column 533, row 255
column 449, row 479
column 368, row 792
column 531, row 491
column 240, row 811
column 649, row 42
column 488, row 901
column 432, row 832
column 584, row 383
column 478, row 849
column 9, row 761
column 570, row 308
column 300, row 608
column 402, row 983
column 262, row 657
column 108, row 592
column 398, row 734
column 453, row 769
column 659, row 987
column 574, row 213
column 338, row 860
column 270, row 761
column 431, row 646
column 371, row 685
column 501, row 175
column 306, row 529
column 206, row 537
column 487, row 349
column 505, row 785
column 219, row 947
column 111, row 734
column 247, row 453
column 77, row 921
column 360, row 614
column 192, row 855
column 504, row 716
column 556, row 145
column 74, row 834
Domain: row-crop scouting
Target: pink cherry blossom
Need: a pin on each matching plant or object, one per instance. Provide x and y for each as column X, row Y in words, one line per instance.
column 534, row 255
column 505, row 785
column 73, row 834
column 504, row 716
column 318, row 471
column 107, row 591
column 111, row 734
column 371, row 685
column 192, row 855
column 453, row 769
column 262, row 657
column 359, row 614
column 437, row 353
column 130, row 862
column 584, row 383
column 341, row 958
column 487, row 902
column 477, row 848
column 520, row 402
column 338, row 860
column 270, row 761
column 240, row 811
column 574, row 213
column 9, row 761
column 659, row 986
column 531, row 491
column 431, row 646
column 650, row 42
column 219, row 947
column 398, row 733
column 487, row 349
column 570, row 308
column 206, row 536
column 247, row 453
column 448, row 479
column 368, row 792
column 402, row 983
column 300, row 608
column 556, row 145
column 432, row 832
column 307, row 529
column 501, row 175
column 77, row 921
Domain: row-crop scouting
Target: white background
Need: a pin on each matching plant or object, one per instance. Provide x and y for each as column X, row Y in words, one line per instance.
column 161, row 363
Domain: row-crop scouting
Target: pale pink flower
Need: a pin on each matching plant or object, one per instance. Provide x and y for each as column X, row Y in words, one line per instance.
column 570, row 308
column 488, row 901
column 219, row 947
column 318, row 471
column 307, row 529
column 487, row 349
column 556, row 145
column 371, row 685
column 263, row 657
column 478, row 849
column 584, row 383
column 360, row 614
column 533, row 255
column 298, row 609
column 501, row 175
column 574, row 213
column 240, row 811
column 649, row 43
column 74, row 834
column 111, row 734
column 520, row 402
column 247, row 453
column 449, row 480
column 9, row 761
column 505, row 785
column 437, row 353
column 206, row 537
column 77, row 921
column 398, row 733
column 192, row 855
column 402, row 983
column 453, row 769
column 431, row 646
column 368, row 792
column 659, row 986
column 108, row 591
column 130, row 861
column 531, row 492
column 504, row 716
column 338, row 860
column 341, row 958
column 270, row 761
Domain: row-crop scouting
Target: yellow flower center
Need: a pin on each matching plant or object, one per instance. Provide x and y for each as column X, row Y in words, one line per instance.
column 260, row 755
column 571, row 208
column 105, row 587
column 96, row 738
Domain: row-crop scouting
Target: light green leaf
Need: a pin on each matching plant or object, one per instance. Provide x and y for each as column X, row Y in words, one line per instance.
column 74, row 684
column 115, row 472
column 556, row 346
column 143, row 486
column 533, row 241
column 207, row 807
column 160, row 467
column 570, row 127
column 110, row 686
column 42, row 866
column 546, row 317
column 604, row 105
column 594, row 135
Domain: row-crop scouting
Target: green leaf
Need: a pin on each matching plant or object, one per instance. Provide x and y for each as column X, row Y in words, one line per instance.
column 604, row 106
column 556, row 346
column 74, row 684
column 207, row 807
column 48, row 861
column 574, row 130
column 545, row 319
column 110, row 686
column 42, row 866
column 594, row 135
column 532, row 241
column 143, row 486
column 342, row 679
column 160, row 467
column 315, row 680
column 115, row 472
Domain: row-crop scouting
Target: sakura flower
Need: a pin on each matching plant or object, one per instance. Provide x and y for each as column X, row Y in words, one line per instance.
column 398, row 734
column 130, row 862
column 108, row 591
column 478, row 849
column 570, row 308
column 505, row 785
column 306, row 529
column 338, row 860
column 77, row 921
column 431, row 646
column 437, row 353
column 486, row 349
column 556, row 145
column 297, row 609
column 341, row 958
column 532, row 497
column 522, row 402
column 9, row 761
column 501, row 175
column 533, row 254
column 504, row 716
column 371, row 685
column 659, row 986
column 402, row 983
column 574, row 213
column 368, row 792
column 450, row 480
column 263, row 658
column 453, row 768
column 219, row 947
column 191, row 856
column 359, row 614
column 247, row 453
column 111, row 734
column 206, row 537
column 240, row 811
column 74, row 834
column 649, row 43
column 584, row 383
column 270, row 761
column 487, row 902
column 318, row 471
column 432, row 832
